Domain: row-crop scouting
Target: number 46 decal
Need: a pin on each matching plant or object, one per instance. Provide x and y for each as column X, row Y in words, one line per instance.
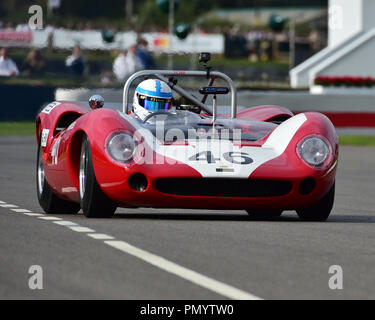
column 232, row 157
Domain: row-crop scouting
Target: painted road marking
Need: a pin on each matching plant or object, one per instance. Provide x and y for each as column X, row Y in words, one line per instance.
column 65, row 223
column 33, row 214
column 100, row 236
column 21, row 210
column 182, row 272
column 8, row 206
column 81, row 229
column 153, row 259
column 50, row 218
column 2, row 202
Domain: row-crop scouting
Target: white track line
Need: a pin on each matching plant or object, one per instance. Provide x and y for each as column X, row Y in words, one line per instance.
column 65, row 223
column 100, row 236
column 33, row 214
column 8, row 206
column 182, row 272
column 50, row 218
column 153, row 259
column 81, row 229
column 21, row 210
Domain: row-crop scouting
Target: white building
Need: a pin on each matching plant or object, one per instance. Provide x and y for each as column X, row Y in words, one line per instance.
column 351, row 44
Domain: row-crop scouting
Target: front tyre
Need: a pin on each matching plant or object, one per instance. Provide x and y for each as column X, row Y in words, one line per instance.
column 94, row 202
column 321, row 210
column 50, row 203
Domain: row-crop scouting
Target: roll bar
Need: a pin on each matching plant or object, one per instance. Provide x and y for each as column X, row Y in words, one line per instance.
column 161, row 75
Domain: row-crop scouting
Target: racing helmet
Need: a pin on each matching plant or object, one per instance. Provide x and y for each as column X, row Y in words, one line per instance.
column 150, row 96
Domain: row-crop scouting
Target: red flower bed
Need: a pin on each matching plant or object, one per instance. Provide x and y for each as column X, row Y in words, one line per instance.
column 347, row 81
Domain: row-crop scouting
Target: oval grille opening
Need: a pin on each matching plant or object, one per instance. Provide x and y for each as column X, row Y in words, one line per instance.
column 217, row 187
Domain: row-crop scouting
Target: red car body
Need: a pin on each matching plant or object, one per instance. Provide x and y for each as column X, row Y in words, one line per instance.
column 279, row 181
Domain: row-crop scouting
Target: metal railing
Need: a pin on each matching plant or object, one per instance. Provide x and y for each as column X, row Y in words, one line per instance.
column 161, row 75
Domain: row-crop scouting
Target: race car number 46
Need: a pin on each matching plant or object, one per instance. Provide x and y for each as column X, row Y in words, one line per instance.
column 232, row 157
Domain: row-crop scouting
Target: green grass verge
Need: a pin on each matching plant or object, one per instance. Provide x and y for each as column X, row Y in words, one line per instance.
column 357, row 140
column 21, row 128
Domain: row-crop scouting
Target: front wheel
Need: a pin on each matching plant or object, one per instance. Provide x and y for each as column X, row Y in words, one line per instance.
column 50, row 203
column 319, row 211
column 94, row 202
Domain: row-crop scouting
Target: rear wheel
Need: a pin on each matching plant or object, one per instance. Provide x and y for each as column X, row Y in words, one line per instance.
column 264, row 214
column 319, row 211
column 94, row 202
column 50, row 203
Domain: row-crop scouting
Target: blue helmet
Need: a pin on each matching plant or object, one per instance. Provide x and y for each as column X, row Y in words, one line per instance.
column 150, row 96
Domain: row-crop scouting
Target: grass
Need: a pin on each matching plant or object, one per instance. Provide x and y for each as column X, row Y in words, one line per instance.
column 27, row 128
column 21, row 128
column 357, row 140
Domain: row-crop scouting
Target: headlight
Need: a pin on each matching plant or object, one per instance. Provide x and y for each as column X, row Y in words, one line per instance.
column 314, row 151
column 121, row 147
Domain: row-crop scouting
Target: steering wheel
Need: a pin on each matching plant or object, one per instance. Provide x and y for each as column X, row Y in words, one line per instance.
column 168, row 114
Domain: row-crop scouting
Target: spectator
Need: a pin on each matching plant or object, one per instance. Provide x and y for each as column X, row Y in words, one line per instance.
column 76, row 62
column 127, row 63
column 120, row 68
column 144, row 55
column 133, row 63
column 35, row 63
column 7, row 66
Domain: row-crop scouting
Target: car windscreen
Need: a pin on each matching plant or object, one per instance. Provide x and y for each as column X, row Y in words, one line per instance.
column 187, row 125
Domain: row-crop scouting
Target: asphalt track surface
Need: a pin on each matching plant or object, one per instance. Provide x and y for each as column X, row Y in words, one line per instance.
column 277, row 259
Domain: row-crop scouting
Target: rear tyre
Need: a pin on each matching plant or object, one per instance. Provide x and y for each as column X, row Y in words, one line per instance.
column 50, row 203
column 319, row 211
column 264, row 214
column 94, row 202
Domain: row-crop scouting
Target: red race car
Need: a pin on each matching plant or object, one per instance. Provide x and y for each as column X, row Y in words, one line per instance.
column 167, row 152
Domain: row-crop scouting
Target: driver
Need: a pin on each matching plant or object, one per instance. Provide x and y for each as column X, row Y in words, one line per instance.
column 151, row 96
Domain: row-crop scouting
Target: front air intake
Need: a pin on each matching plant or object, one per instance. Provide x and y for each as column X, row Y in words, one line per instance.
column 138, row 182
column 218, row 187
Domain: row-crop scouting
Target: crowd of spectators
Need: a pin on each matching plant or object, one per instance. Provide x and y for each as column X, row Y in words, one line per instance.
column 257, row 44
column 135, row 58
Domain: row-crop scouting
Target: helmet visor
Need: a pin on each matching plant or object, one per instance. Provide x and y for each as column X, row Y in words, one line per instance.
column 154, row 104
